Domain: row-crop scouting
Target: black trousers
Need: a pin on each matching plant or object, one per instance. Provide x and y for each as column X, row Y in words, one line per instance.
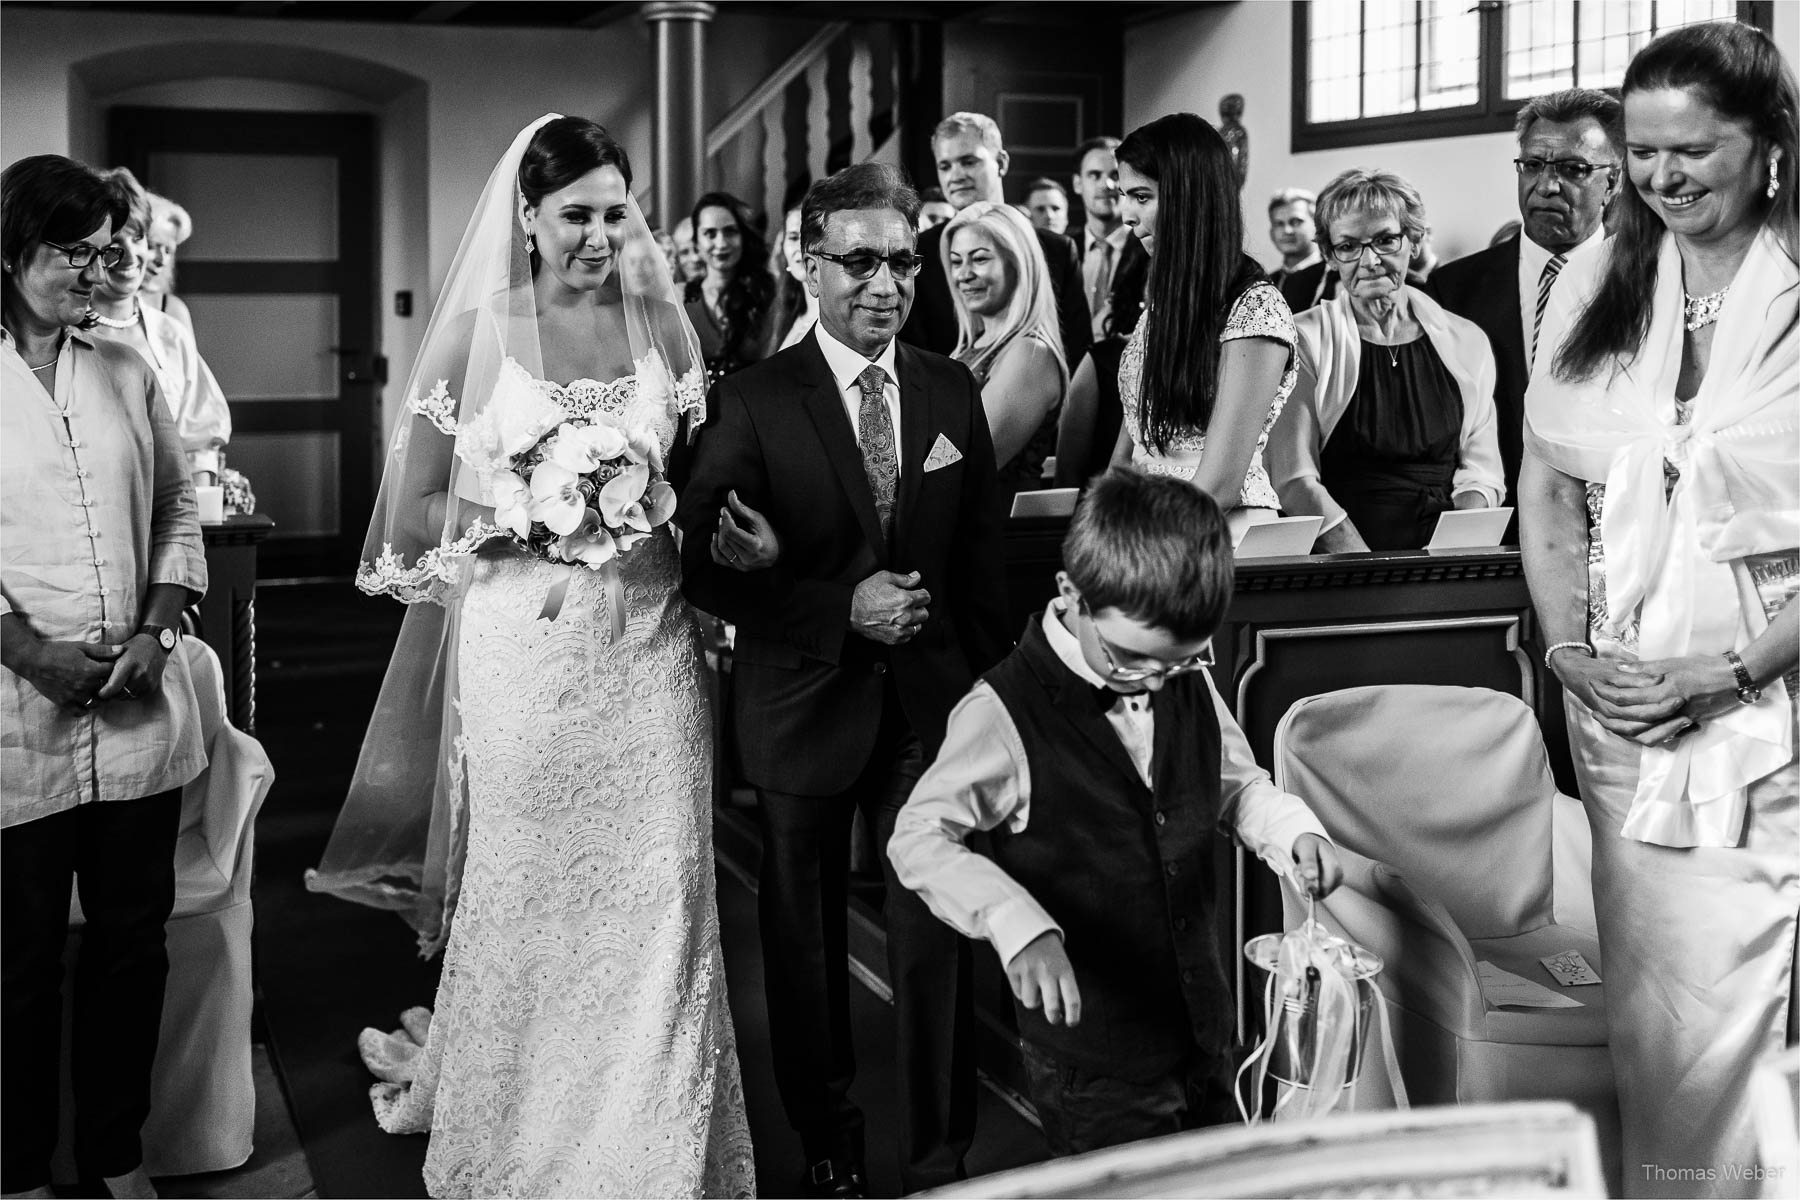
column 802, row 896
column 1084, row 1110
column 123, row 854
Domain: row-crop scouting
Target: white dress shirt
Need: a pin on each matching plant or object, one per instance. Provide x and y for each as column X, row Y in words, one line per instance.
column 847, row 367
column 1097, row 270
column 1532, row 260
column 982, row 780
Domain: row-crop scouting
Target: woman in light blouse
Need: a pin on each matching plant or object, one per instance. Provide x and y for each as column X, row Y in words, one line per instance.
column 99, row 729
column 1392, row 419
column 124, row 312
column 170, row 226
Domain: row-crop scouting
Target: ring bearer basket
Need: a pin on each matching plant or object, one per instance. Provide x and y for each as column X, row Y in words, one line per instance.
column 1319, row 1005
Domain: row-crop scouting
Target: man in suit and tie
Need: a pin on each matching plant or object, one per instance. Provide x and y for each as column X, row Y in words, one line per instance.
column 1570, row 150
column 970, row 162
column 1114, row 264
column 874, row 603
column 1292, row 229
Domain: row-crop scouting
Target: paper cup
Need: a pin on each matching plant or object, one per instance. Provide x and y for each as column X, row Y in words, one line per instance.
column 212, row 504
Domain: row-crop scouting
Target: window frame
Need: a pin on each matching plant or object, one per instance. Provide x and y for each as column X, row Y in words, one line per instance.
column 1491, row 113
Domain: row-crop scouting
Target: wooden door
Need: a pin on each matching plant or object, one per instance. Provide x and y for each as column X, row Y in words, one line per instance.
column 280, row 275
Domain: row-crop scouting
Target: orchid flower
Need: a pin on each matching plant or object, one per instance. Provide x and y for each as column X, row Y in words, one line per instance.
column 556, row 498
column 512, row 503
column 582, row 448
column 621, row 492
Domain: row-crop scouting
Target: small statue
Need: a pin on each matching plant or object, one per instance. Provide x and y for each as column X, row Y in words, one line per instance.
column 1237, row 138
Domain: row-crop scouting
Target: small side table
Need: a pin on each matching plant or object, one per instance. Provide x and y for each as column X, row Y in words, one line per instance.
column 226, row 618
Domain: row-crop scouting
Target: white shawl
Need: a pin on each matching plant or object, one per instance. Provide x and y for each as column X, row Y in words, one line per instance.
column 195, row 400
column 1331, row 354
column 1678, row 566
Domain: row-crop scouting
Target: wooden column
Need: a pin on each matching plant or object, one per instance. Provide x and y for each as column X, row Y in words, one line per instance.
column 678, row 134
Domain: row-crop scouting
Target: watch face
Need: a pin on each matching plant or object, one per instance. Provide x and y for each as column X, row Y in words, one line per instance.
column 166, row 639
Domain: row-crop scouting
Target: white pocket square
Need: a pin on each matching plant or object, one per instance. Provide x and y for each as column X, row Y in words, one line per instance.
column 942, row 454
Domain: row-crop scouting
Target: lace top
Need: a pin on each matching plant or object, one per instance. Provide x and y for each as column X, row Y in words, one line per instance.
column 1259, row 311
column 646, row 397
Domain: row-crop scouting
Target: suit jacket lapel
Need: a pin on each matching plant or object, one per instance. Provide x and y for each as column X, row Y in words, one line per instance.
column 917, row 426
column 825, row 406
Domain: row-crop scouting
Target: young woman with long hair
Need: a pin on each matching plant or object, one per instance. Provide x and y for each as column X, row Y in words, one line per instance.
column 1211, row 363
column 1007, row 333
column 730, row 304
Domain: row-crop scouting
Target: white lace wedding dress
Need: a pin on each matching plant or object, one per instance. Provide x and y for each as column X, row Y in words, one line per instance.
column 581, row 1043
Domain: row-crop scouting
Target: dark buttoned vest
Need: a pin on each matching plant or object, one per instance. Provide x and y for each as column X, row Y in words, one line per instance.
column 1126, row 871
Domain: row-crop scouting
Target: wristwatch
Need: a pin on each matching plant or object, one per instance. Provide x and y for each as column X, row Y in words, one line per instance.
column 165, row 637
column 1747, row 692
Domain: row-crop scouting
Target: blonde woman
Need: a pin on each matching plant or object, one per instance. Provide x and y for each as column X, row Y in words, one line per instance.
column 1007, row 334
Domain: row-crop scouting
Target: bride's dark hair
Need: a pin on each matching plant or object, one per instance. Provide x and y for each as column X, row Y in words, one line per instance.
column 563, row 151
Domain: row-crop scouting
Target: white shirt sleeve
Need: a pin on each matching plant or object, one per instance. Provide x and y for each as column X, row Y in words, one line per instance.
column 979, row 781
column 1266, row 819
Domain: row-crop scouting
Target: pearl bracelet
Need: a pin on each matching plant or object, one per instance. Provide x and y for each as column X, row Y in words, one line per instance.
column 1582, row 646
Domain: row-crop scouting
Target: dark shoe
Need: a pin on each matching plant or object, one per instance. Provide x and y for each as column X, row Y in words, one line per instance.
column 833, row 1179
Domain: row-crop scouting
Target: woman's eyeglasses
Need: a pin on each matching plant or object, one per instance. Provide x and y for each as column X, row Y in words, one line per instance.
column 862, row 264
column 82, row 254
column 1350, row 251
column 1185, row 666
column 1569, row 170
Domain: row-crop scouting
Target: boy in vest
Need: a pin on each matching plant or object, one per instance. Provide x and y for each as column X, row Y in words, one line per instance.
column 1101, row 761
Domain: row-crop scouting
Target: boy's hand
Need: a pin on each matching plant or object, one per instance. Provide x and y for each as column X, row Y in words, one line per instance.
column 1041, row 976
column 1316, row 864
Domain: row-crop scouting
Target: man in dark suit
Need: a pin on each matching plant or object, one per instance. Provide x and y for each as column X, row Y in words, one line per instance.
column 1295, row 235
column 1114, row 265
column 1568, row 169
column 876, row 599
column 970, row 162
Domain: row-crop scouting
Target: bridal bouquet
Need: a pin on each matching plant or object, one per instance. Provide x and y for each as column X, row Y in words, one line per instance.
column 568, row 488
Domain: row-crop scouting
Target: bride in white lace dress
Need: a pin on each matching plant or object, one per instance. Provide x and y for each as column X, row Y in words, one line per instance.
column 561, row 830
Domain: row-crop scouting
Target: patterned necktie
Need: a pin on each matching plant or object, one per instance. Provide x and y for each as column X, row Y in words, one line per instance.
column 1545, row 282
column 876, row 436
column 1100, row 254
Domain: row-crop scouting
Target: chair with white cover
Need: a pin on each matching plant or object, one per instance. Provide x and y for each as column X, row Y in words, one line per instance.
column 203, row 1100
column 1534, row 1149
column 1458, row 850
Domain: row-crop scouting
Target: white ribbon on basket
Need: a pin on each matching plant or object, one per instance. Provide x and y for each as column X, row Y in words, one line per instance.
column 1311, row 959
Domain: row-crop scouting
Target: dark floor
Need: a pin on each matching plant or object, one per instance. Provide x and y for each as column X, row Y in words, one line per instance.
column 327, row 968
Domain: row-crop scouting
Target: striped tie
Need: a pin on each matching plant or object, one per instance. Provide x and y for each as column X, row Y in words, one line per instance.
column 1545, row 282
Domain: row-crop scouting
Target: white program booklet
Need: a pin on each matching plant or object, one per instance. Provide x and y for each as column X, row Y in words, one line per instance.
column 1280, row 537
column 1049, row 502
column 1462, row 528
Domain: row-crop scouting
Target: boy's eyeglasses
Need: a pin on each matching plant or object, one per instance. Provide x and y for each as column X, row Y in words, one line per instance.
column 1351, row 251
column 82, row 254
column 862, row 264
column 1569, row 170
column 1185, row 666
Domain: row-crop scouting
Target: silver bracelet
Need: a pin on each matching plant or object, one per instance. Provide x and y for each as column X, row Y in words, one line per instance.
column 1582, row 646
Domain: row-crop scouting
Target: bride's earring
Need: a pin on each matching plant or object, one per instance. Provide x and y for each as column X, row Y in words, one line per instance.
column 530, row 243
column 1774, row 180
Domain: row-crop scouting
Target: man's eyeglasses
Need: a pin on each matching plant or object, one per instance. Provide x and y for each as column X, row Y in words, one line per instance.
column 82, row 254
column 1350, row 251
column 1185, row 666
column 1569, row 170
column 862, row 264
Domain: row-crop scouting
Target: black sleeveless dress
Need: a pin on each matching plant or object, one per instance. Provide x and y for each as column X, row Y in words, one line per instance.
column 1392, row 458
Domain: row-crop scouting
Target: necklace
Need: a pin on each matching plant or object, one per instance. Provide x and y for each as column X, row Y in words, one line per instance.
column 45, row 367
column 127, row 323
column 1702, row 311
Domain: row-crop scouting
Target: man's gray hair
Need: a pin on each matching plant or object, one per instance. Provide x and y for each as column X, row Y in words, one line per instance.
column 1292, row 196
column 1576, row 104
column 969, row 122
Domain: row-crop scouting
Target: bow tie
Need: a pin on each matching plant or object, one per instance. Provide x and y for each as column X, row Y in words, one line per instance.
column 1105, row 699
